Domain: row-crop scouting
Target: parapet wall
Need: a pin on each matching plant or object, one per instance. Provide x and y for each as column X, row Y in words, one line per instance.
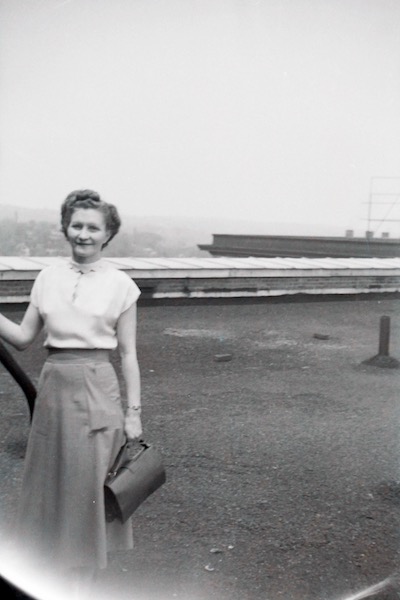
column 160, row 278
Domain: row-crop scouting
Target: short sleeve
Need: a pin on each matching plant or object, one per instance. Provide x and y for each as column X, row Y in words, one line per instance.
column 35, row 291
column 132, row 293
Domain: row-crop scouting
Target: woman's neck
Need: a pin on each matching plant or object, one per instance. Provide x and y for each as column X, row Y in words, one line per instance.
column 82, row 260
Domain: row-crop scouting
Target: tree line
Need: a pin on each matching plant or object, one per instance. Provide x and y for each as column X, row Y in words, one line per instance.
column 43, row 238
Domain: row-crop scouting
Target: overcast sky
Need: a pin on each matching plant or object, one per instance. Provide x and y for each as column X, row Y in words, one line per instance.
column 268, row 110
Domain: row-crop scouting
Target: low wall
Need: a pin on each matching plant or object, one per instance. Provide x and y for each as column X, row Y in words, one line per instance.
column 223, row 278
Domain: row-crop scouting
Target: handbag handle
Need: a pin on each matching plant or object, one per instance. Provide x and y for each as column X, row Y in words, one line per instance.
column 140, row 441
column 123, row 456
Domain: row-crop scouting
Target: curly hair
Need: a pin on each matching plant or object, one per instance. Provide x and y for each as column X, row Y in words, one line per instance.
column 90, row 199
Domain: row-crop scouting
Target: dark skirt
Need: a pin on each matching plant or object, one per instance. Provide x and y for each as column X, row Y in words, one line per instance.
column 76, row 433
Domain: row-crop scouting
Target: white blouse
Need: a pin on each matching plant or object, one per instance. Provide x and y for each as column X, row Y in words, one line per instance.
column 80, row 304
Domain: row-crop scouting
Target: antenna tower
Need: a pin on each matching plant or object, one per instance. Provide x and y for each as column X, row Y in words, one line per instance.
column 383, row 192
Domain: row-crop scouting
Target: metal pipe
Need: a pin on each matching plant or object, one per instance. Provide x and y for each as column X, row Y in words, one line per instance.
column 9, row 362
column 384, row 336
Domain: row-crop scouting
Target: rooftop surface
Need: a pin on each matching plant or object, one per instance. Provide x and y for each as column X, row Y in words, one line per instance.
column 282, row 460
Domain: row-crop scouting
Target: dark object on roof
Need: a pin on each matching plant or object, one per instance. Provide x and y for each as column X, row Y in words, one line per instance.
column 301, row 246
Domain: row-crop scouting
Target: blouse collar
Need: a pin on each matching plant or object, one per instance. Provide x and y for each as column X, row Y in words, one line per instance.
column 86, row 267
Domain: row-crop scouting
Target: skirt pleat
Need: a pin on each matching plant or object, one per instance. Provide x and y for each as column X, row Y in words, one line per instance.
column 76, row 433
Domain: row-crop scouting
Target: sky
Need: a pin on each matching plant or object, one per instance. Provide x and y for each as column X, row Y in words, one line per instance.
column 280, row 111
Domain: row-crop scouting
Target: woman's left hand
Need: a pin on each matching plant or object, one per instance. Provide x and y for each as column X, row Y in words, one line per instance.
column 133, row 425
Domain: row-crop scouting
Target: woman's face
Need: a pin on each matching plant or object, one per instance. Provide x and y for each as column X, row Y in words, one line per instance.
column 87, row 233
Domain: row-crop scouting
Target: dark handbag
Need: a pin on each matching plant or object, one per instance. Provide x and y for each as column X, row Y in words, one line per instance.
column 131, row 480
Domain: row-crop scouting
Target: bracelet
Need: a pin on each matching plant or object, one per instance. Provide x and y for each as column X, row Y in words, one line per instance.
column 135, row 408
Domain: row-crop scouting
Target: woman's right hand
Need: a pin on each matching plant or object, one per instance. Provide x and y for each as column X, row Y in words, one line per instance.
column 21, row 335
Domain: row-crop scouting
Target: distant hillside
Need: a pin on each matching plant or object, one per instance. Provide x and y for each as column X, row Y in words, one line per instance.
column 22, row 214
column 139, row 235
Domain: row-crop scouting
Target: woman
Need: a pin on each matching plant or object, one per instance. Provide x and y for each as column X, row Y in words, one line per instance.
column 87, row 308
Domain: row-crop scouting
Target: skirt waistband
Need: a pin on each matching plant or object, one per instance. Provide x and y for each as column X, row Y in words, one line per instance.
column 78, row 354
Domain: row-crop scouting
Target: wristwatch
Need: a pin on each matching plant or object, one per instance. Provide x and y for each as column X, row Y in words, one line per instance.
column 135, row 408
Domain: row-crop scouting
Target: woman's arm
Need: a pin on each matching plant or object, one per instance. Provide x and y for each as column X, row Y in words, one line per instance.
column 21, row 336
column 126, row 334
